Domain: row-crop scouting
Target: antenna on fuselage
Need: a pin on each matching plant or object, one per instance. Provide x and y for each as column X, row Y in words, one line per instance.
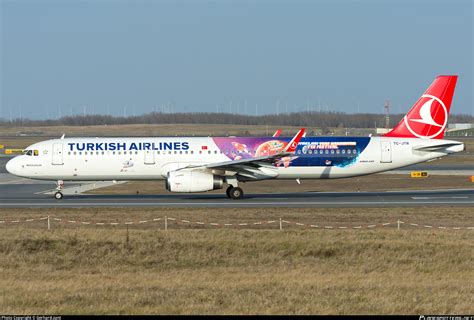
column 62, row 137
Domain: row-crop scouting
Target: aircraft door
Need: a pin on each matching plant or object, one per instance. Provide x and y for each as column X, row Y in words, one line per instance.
column 57, row 154
column 149, row 157
column 386, row 152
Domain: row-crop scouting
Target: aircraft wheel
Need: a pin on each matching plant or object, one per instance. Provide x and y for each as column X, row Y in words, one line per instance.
column 236, row 193
column 227, row 191
column 58, row 195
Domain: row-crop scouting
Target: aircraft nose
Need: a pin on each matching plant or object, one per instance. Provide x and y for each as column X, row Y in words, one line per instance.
column 12, row 166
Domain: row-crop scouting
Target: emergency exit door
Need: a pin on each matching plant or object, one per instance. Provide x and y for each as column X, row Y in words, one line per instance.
column 149, row 157
column 58, row 154
column 386, row 151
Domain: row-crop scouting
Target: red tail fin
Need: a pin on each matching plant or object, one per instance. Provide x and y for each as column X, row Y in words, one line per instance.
column 429, row 115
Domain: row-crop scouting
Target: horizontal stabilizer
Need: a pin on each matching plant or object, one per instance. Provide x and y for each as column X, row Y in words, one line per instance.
column 437, row 147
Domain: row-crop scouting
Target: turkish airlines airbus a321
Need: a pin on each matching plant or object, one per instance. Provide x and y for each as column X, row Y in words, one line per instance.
column 198, row 164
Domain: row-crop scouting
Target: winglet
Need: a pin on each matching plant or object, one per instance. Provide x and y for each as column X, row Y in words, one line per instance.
column 277, row 133
column 291, row 147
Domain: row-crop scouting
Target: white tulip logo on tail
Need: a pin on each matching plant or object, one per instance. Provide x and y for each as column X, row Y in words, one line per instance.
column 432, row 120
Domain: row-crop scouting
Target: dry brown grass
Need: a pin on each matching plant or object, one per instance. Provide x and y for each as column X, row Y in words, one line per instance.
column 437, row 216
column 298, row 271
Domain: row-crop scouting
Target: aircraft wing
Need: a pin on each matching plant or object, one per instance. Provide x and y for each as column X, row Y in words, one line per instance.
column 256, row 162
column 253, row 167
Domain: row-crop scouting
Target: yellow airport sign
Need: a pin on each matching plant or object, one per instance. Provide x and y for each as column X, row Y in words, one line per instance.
column 419, row 174
column 13, row 151
column 2, row 146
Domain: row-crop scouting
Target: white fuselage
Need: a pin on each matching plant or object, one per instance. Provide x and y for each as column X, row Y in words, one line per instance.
column 83, row 159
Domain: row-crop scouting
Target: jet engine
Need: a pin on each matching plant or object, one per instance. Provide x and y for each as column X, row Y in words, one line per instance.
column 192, row 181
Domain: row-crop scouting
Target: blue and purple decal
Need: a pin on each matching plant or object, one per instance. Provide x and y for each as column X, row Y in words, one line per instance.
column 311, row 151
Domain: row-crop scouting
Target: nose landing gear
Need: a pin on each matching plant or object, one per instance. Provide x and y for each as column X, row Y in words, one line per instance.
column 58, row 195
column 59, row 186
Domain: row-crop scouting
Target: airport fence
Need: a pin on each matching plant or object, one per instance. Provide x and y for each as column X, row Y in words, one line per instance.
column 166, row 223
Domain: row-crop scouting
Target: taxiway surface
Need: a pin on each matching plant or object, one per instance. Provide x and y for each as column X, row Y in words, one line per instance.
column 24, row 195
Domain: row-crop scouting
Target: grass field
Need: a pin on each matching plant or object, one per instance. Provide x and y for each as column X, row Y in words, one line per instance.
column 87, row 269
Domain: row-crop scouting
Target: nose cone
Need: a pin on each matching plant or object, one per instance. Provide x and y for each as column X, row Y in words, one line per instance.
column 12, row 166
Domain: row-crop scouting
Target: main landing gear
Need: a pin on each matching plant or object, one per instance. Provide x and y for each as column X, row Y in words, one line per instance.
column 235, row 193
column 59, row 186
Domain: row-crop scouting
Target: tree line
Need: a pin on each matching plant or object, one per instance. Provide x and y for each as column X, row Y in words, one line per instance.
column 304, row 119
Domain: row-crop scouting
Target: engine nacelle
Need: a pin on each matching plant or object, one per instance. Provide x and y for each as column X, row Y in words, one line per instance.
column 192, row 181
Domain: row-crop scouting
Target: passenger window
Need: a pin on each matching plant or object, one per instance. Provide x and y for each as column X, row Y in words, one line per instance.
column 332, row 151
column 354, row 151
column 310, row 151
column 326, row 151
column 192, row 152
column 343, row 151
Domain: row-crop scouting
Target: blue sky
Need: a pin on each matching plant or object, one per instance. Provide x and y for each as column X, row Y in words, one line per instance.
column 116, row 57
